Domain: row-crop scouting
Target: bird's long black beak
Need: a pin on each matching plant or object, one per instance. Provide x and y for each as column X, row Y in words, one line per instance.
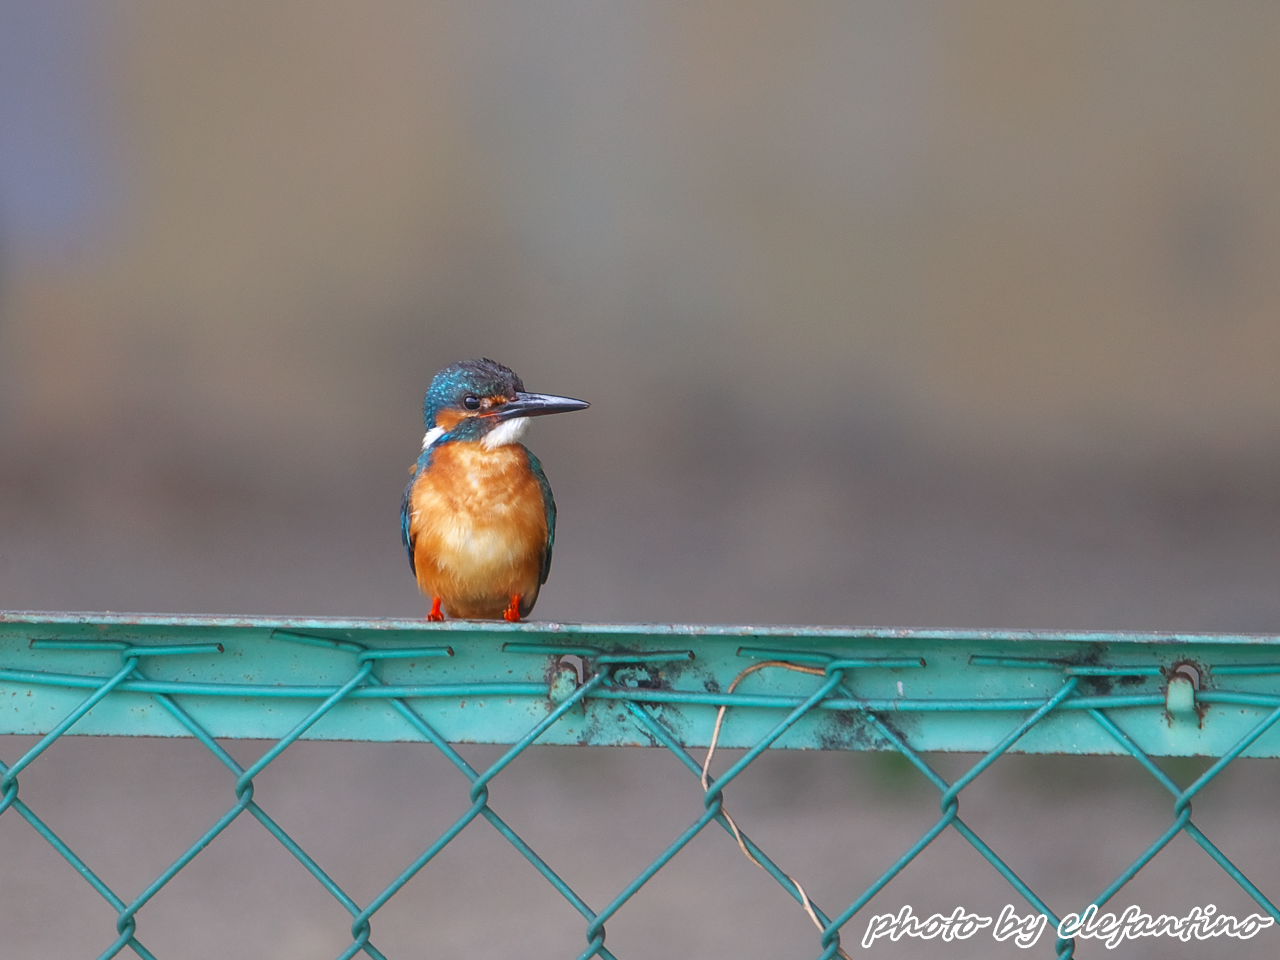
column 538, row 405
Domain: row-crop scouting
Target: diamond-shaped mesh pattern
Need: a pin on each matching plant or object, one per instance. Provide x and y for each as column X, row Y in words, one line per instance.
column 782, row 690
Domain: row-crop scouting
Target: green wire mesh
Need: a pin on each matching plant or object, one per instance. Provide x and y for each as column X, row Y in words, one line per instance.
column 908, row 692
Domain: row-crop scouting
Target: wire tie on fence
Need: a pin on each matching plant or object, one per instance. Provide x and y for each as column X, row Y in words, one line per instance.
column 657, row 656
column 596, row 654
column 805, row 901
column 1067, row 667
column 1017, row 663
column 1094, row 670
column 406, row 653
column 171, row 650
column 315, row 640
column 787, row 656
column 883, row 663
column 1246, row 669
column 52, row 643
column 829, row 662
column 362, row 652
column 551, row 649
column 127, row 649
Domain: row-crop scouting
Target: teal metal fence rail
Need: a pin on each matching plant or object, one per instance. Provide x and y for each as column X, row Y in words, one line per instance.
column 678, row 688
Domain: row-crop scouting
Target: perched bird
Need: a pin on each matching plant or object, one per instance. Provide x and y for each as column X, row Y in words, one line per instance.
column 478, row 520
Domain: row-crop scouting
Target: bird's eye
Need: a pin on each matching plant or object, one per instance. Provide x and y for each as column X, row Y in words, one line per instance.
column 471, row 402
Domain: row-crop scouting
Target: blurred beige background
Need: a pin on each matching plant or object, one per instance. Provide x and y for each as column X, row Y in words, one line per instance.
column 890, row 312
column 908, row 313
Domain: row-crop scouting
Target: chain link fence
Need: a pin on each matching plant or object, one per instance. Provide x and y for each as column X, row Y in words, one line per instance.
column 690, row 691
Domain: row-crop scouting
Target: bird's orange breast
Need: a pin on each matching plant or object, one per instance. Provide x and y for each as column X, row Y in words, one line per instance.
column 479, row 528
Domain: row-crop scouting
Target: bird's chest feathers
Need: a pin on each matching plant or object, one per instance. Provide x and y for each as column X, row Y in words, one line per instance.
column 479, row 507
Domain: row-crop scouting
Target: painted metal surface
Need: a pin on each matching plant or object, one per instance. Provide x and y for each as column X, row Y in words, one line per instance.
column 491, row 682
column 910, row 691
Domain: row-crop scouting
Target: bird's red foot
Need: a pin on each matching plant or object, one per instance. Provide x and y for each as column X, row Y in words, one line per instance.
column 512, row 613
column 436, row 614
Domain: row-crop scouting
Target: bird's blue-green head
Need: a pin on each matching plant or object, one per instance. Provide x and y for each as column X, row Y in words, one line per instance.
column 484, row 401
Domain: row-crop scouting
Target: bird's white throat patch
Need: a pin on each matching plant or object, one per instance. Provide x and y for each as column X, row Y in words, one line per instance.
column 509, row 431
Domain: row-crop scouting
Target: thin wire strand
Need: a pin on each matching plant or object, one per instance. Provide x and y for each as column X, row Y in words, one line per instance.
column 805, row 901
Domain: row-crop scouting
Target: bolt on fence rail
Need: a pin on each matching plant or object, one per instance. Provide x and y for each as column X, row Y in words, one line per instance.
column 680, row 688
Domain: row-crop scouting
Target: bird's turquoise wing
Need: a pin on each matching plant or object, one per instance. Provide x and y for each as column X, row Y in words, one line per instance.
column 549, row 504
column 406, row 535
column 406, row 517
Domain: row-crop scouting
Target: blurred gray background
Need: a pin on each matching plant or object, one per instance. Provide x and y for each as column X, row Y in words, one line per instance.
column 890, row 312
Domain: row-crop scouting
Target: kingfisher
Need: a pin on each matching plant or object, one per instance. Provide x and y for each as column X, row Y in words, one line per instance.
column 478, row 519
